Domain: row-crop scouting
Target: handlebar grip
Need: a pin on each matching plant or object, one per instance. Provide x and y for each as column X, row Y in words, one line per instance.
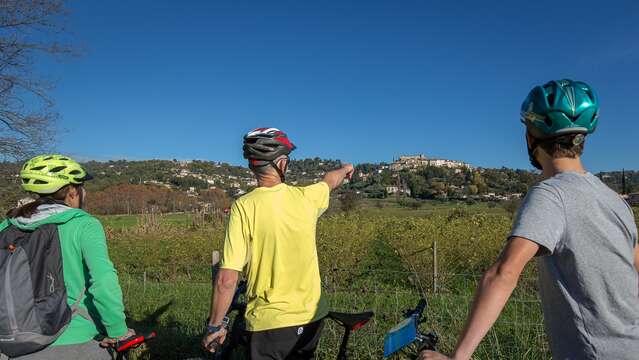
column 215, row 346
column 427, row 346
column 133, row 341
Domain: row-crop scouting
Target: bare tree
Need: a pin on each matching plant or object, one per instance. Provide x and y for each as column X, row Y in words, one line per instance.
column 27, row 113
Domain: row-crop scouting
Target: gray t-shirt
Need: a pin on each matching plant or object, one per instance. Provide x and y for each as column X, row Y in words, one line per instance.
column 588, row 282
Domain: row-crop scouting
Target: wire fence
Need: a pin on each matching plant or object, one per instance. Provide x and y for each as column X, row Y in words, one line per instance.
column 517, row 334
column 388, row 267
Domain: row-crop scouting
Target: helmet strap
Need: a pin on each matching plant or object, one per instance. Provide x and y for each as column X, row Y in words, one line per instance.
column 279, row 171
column 272, row 163
column 532, row 149
column 80, row 189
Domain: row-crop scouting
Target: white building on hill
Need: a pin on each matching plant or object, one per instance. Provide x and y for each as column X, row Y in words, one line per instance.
column 417, row 161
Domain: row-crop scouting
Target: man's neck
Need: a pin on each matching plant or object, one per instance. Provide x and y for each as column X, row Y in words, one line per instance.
column 556, row 166
column 268, row 181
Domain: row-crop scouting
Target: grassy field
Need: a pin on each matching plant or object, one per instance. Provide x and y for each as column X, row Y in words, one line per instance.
column 386, row 207
column 378, row 258
column 518, row 334
column 390, row 207
column 129, row 221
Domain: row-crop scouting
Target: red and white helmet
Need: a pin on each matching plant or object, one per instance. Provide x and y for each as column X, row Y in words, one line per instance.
column 264, row 145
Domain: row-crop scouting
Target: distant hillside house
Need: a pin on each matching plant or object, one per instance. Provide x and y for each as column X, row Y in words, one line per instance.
column 633, row 199
column 396, row 189
column 417, row 161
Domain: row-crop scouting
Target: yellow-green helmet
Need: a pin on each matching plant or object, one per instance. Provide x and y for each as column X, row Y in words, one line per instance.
column 46, row 174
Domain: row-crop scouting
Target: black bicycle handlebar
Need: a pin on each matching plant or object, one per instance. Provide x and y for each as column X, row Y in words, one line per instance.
column 418, row 311
column 421, row 306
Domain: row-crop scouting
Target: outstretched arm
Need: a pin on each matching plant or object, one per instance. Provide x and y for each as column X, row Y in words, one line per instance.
column 335, row 178
column 493, row 292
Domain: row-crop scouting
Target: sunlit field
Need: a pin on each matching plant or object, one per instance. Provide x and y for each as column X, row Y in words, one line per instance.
column 376, row 258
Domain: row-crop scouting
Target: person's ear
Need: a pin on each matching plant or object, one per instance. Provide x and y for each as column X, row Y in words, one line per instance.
column 72, row 196
column 72, row 192
column 283, row 164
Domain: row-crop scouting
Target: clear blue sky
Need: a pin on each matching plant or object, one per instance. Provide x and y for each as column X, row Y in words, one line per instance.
column 361, row 81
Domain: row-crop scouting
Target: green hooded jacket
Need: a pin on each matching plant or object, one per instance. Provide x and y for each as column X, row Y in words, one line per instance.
column 86, row 264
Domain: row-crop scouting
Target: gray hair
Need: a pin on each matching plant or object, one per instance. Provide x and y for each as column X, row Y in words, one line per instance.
column 267, row 168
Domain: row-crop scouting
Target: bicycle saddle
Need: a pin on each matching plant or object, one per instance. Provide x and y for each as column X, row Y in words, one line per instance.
column 351, row 320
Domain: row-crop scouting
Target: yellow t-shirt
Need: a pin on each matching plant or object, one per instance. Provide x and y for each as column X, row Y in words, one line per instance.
column 271, row 232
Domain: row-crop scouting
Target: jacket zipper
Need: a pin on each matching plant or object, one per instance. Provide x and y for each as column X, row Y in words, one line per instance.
column 9, row 295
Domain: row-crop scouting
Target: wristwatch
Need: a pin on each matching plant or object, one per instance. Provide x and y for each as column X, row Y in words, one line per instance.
column 210, row 329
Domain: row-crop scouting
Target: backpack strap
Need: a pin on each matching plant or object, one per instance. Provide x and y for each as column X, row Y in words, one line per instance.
column 77, row 310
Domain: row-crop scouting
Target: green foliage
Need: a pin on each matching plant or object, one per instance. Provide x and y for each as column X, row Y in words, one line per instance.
column 614, row 180
column 367, row 261
column 370, row 180
column 410, row 203
column 512, row 206
column 188, row 182
column 171, row 249
column 349, row 201
column 308, row 171
column 165, row 251
column 373, row 191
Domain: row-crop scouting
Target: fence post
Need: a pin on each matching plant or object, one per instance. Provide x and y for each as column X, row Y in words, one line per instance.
column 434, row 266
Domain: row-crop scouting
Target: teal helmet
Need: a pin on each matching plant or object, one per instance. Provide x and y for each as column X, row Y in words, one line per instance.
column 560, row 107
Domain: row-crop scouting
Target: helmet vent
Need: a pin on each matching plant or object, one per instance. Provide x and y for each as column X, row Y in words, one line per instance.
column 37, row 168
column 48, row 158
column 551, row 98
column 40, row 182
column 25, row 180
column 75, row 172
column 58, row 169
column 64, row 159
column 588, row 91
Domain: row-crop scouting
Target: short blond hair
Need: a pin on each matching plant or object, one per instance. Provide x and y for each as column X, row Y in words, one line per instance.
column 563, row 146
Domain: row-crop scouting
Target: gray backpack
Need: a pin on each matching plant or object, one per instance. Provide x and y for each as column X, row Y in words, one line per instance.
column 33, row 299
